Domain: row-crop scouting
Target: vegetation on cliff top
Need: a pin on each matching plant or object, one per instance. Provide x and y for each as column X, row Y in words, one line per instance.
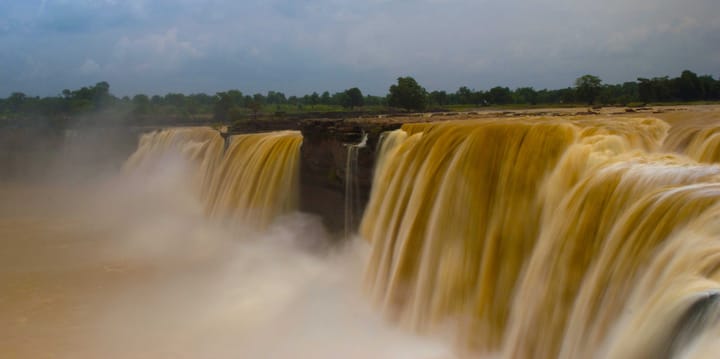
column 407, row 94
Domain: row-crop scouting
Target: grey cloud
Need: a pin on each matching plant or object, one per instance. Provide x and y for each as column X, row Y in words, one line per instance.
column 312, row 45
column 158, row 52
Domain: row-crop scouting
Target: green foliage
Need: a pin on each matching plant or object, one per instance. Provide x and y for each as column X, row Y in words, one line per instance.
column 464, row 95
column 371, row 100
column 223, row 104
column 352, row 98
column 588, row 88
column 526, row 95
column 141, row 103
column 88, row 99
column 500, row 95
column 16, row 101
column 275, row 98
column 438, row 98
column 408, row 94
column 236, row 114
column 233, row 105
column 254, row 103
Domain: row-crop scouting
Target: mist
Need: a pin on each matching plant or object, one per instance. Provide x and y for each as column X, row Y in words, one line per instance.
column 127, row 265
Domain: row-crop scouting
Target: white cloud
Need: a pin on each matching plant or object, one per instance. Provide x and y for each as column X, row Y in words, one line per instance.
column 301, row 45
column 153, row 52
column 89, row 67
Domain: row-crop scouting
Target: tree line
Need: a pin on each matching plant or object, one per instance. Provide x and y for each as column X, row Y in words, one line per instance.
column 407, row 94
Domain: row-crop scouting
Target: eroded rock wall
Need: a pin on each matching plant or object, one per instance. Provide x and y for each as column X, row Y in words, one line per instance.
column 323, row 165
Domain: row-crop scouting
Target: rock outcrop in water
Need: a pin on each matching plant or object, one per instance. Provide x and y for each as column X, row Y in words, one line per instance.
column 323, row 162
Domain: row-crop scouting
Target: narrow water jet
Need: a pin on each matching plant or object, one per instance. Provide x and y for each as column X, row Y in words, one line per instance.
column 352, row 191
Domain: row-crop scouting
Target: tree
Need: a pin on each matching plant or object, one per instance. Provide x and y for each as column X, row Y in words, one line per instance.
column 236, row 96
column 226, row 102
column 176, row 100
column 276, row 98
column 688, row 86
column 325, row 98
column 353, row 98
column 645, row 90
column 293, row 101
column 526, row 95
column 707, row 86
column 101, row 94
column 255, row 104
column 16, row 101
column 314, row 99
column 500, row 95
column 588, row 88
column 407, row 94
column 156, row 100
column 464, row 95
column 374, row 100
column 141, row 103
column 337, row 98
column 438, row 98
column 478, row 98
column 630, row 92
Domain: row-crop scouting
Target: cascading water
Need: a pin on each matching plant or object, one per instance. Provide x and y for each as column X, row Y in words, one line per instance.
column 538, row 237
column 700, row 142
column 257, row 179
column 250, row 183
column 352, row 191
column 563, row 237
column 189, row 253
column 202, row 146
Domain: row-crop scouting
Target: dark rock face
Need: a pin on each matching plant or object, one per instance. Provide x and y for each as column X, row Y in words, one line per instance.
column 324, row 157
column 323, row 162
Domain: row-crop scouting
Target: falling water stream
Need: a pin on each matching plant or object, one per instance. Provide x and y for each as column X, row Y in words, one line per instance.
column 352, row 191
column 536, row 238
column 530, row 237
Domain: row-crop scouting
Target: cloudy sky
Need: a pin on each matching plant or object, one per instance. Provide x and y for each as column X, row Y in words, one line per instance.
column 300, row 46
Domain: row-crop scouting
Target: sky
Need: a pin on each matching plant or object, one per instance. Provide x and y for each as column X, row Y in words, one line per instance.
column 301, row 46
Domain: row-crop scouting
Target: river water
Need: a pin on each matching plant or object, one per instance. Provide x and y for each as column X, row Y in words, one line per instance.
column 129, row 266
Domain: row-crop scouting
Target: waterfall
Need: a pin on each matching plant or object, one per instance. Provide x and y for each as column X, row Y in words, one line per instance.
column 547, row 237
column 251, row 182
column 202, row 146
column 352, row 191
column 257, row 179
column 528, row 237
